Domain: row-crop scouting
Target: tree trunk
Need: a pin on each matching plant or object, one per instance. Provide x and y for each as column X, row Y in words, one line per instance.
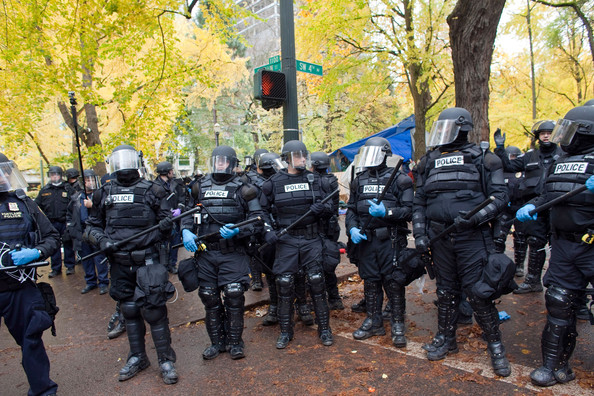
column 473, row 27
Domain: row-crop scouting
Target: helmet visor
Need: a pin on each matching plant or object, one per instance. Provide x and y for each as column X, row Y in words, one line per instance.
column 299, row 159
column 273, row 163
column 123, row 160
column 221, row 164
column 92, row 183
column 565, row 130
column 11, row 178
column 443, row 132
column 369, row 156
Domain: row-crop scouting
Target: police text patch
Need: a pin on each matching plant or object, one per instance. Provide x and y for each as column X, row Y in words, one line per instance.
column 216, row 194
column 449, row 161
column 123, row 198
column 571, row 167
column 11, row 215
column 297, row 187
column 372, row 189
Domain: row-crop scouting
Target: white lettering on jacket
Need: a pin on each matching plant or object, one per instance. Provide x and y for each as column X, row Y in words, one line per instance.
column 571, row 167
column 449, row 161
column 297, row 187
column 123, row 198
column 372, row 189
column 216, row 194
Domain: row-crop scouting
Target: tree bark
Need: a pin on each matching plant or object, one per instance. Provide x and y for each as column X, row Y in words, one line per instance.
column 473, row 27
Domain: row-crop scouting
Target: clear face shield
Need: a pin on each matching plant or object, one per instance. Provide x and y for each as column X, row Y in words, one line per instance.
column 11, row 178
column 247, row 160
column 564, row 131
column 221, row 164
column 443, row 132
column 368, row 157
column 299, row 160
column 276, row 164
column 55, row 177
column 92, row 183
column 124, row 160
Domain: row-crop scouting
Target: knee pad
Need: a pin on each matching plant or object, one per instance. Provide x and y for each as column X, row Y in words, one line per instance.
column 536, row 243
column 316, row 282
column 210, row 296
column 560, row 303
column 285, row 284
column 234, row 295
column 154, row 315
column 520, row 236
column 130, row 310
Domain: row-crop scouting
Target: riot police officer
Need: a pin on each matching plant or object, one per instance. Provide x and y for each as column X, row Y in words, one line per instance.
column 293, row 193
column 72, row 175
column 176, row 195
column 330, row 230
column 502, row 224
column 571, row 266
column 383, row 240
column 21, row 303
column 53, row 200
column 224, row 265
column 121, row 208
column 96, row 269
column 535, row 165
column 453, row 178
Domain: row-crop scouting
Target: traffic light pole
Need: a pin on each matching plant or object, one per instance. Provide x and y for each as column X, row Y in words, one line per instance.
column 290, row 110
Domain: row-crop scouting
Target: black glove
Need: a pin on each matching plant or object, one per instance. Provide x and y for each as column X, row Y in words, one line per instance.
column 499, row 139
column 463, row 224
column 422, row 244
column 317, row 208
column 270, row 237
column 166, row 224
column 108, row 246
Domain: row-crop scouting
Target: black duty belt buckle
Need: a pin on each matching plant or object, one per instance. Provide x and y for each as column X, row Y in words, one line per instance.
column 588, row 237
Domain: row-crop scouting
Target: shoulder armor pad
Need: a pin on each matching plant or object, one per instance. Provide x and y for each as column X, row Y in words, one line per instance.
column 404, row 181
column 20, row 194
column 492, row 162
column 248, row 192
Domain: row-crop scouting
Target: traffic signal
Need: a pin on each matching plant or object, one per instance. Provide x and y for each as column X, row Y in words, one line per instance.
column 271, row 88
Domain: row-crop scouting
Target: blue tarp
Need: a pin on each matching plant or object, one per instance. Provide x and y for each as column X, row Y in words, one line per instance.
column 398, row 135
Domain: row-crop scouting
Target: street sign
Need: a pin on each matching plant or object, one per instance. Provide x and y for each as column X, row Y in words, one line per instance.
column 310, row 68
column 271, row 66
column 274, row 59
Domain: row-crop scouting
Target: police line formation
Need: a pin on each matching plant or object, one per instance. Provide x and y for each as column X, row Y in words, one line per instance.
column 279, row 217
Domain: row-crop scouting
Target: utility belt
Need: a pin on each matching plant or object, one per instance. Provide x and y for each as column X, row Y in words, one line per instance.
column 224, row 246
column 438, row 226
column 586, row 237
column 136, row 258
column 310, row 231
column 381, row 233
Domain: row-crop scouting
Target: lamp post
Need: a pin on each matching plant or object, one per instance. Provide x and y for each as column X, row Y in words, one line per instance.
column 217, row 131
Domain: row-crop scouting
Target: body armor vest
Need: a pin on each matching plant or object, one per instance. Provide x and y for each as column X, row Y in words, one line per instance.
column 371, row 185
column 294, row 195
column 536, row 171
column 128, row 207
column 221, row 200
column 453, row 171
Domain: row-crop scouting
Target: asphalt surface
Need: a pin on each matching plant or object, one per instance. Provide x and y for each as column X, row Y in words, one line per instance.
column 85, row 362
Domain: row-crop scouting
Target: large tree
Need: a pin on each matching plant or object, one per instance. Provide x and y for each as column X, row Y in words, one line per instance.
column 473, row 27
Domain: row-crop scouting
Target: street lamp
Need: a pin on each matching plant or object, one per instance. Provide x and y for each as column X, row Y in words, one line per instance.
column 217, row 131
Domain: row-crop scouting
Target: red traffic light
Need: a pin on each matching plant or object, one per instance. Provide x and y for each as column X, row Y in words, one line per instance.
column 270, row 85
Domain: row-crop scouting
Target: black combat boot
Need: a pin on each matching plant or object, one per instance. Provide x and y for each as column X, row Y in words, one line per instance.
column 334, row 300
column 286, row 293
column 303, row 308
column 373, row 324
column 520, row 247
column 271, row 316
column 317, row 289
column 536, row 260
column 444, row 341
column 117, row 324
column 359, row 306
column 557, row 344
column 215, row 327
column 234, row 309
column 166, row 354
column 397, row 303
column 256, row 275
column 137, row 359
column 487, row 317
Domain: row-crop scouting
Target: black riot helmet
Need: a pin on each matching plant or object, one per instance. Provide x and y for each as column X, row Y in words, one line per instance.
column 512, row 152
column 543, row 126
column 320, row 161
column 71, row 173
column 450, row 128
column 56, row 170
column 91, row 180
column 589, row 103
column 124, row 157
column 373, row 153
column 270, row 163
column 223, row 161
column 295, row 153
column 575, row 132
column 10, row 177
column 163, row 168
column 257, row 154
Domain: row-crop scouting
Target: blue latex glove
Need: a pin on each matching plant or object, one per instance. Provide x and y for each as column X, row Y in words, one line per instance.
column 377, row 210
column 590, row 184
column 227, row 232
column 189, row 239
column 356, row 235
column 175, row 212
column 24, row 256
column 523, row 215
